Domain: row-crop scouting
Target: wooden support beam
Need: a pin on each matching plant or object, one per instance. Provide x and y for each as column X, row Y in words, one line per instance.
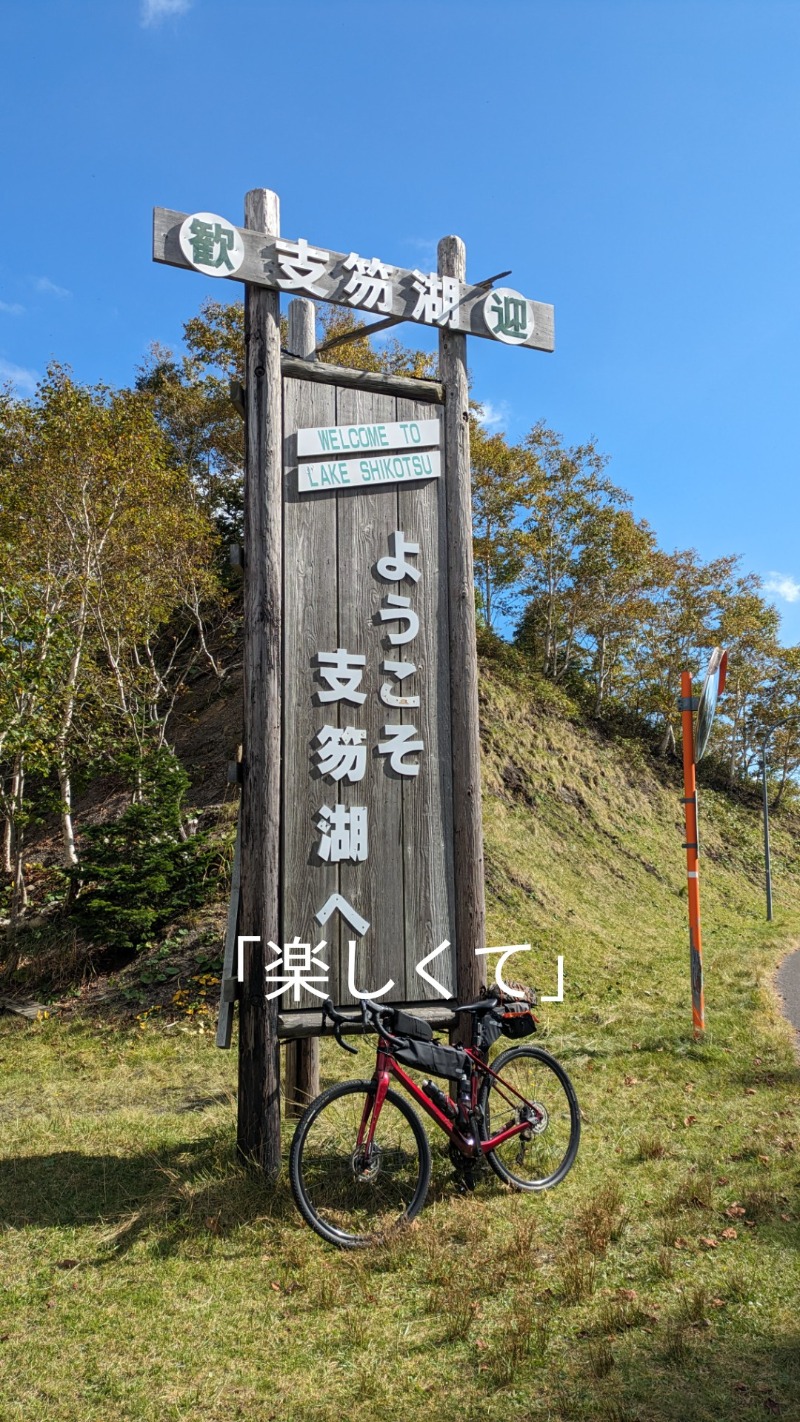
column 259, row 1124
column 470, row 912
column 405, row 387
column 301, row 1064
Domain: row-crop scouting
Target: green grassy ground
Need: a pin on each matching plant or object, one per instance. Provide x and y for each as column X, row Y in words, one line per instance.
column 146, row 1276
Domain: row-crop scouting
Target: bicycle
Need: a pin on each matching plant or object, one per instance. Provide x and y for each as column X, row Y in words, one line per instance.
column 360, row 1160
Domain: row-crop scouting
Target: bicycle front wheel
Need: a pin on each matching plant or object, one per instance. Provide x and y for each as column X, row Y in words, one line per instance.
column 540, row 1155
column 350, row 1194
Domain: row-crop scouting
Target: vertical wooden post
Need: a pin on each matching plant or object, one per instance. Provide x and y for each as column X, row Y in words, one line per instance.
column 259, row 1122
column 692, row 853
column 470, row 912
column 301, row 1064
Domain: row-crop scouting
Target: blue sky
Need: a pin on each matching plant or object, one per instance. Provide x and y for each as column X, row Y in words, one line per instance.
column 635, row 162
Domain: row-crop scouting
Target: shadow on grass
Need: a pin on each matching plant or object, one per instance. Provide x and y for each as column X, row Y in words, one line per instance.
column 194, row 1188
column 674, row 1378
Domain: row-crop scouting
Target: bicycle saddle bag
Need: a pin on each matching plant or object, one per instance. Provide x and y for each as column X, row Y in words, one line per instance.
column 406, row 1025
column 429, row 1056
column 512, row 1017
column 515, row 1019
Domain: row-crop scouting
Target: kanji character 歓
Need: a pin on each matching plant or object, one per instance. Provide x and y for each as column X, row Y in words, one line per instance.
column 205, row 238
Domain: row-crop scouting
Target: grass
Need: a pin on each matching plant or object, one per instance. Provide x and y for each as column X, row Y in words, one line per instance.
column 146, row 1275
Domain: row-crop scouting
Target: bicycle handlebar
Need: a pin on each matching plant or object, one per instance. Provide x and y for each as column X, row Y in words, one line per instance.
column 372, row 1015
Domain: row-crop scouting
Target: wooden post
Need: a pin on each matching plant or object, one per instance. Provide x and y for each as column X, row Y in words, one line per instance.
column 692, row 854
column 301, row 1064
column 470, row 912
column 259, row 1122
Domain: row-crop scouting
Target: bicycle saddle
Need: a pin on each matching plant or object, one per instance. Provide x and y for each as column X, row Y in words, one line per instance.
column 484, row 1004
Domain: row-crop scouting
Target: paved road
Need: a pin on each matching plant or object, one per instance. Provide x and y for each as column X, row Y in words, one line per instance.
column 788, row 981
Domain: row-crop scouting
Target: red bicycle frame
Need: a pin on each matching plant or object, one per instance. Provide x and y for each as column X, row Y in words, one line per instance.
column 386, row 1067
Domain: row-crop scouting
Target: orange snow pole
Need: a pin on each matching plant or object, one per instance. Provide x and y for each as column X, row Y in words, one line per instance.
column 687, row 706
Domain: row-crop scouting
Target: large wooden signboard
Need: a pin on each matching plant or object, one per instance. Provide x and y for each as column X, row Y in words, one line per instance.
column 366, row 677
column 360, row 853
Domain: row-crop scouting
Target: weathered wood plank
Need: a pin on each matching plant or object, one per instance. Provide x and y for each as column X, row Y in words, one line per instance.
column 406, row 387
column 301, row 1065
column 374, row 888
column 428, row 800
column 258, row 1135
column 295, row 1025
column 311, row 625
column 470, row 913
column 328, row 280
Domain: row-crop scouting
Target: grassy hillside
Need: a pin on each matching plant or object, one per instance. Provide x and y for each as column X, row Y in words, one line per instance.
column 145, row 1276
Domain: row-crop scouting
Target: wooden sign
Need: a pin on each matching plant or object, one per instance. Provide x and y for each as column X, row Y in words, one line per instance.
column 360, row 846
column 211, row 245
column 367, row 881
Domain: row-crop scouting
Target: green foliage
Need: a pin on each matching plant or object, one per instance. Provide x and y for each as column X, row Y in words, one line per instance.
column 139, row 871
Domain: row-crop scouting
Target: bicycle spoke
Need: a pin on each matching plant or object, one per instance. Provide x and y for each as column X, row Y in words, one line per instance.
column 542, row 1152
column 360, row 1192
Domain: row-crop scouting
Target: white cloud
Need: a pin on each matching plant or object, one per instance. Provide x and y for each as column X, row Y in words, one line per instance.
column 782, row 586
column 12, row 308
column 23, row 381
column 492, row 416
column 49, row 287
column 427, row 248
column 154, row 11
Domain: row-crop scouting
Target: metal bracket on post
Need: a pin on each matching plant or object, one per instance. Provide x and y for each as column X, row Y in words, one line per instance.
column 229, row 986
column 237, row 394
column 688, row 703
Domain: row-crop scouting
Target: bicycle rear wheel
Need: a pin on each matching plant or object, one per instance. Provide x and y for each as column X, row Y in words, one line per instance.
column 541, row 1155
column 353, row 1197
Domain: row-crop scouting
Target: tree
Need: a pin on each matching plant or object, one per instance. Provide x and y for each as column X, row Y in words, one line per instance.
column 566, row 499
column 502, row 484
column 102, row 535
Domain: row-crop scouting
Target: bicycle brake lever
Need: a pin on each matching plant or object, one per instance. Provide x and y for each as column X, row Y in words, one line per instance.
column 337, row 1032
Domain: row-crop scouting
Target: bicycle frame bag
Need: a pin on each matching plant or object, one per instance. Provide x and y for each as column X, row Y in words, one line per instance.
column 429, row 1056
column 406, row 1025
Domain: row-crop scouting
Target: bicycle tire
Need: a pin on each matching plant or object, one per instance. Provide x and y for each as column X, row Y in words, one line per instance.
column 337, row 1202
column 524, row 1152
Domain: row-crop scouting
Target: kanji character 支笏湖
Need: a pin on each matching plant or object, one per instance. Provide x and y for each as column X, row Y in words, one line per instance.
column 341, row 753
column 342, row 670
column 437, row 299
column 371, row 285
column 344, row 833
column 301, row 266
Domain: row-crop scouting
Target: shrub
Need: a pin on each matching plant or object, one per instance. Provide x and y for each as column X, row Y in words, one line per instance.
column 139, row 871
